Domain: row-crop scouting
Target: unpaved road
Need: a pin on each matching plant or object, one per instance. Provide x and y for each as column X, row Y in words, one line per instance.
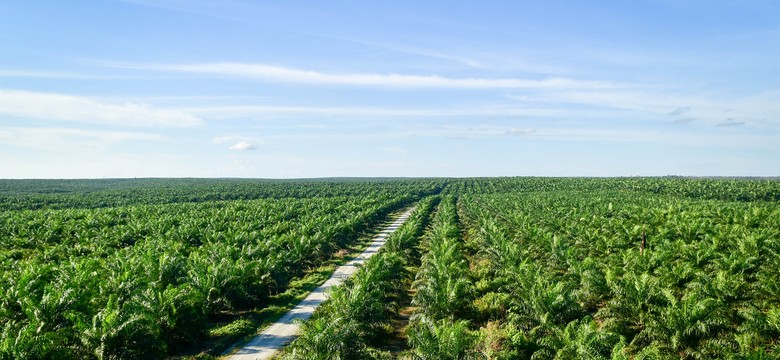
column 280, row 333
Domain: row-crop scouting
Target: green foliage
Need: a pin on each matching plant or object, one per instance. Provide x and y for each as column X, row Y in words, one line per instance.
column 444, row 339
column 145, row 281
column 97, row 193
column 508, row 267
column 443, row 289
column 560, row 262
column 355, row 317
column 329, row 337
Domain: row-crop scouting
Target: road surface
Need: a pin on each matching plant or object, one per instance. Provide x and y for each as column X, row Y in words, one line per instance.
column 280, row 333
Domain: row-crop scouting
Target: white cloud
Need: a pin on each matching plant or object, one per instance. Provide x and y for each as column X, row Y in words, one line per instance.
column 473, row 132
column 292, row 75
column 224, row 112
column 395, row 150
column 60, row 107
column 661, row 103
column 540, row 109
column 519, row 132
column 53, row 75
column 239, row 142
column 63, row 138
column 415, row 51
column 102, row 164
column 471, row 57
column 243, row 145
column 233, row 138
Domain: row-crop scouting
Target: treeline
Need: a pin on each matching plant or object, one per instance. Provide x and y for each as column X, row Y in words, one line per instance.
column 97, row 193
column 742, row 189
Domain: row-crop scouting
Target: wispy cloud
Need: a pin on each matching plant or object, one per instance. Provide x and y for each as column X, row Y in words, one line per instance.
column 475, row 59
column 659, row 103
column 395, row 150
column 293, row 75
column 243, row 146
column 414, row 51
column 45, row 74
column 260, row 111
column 60, row 107
column 505, row 112
column 520, row 132
column 645, row 100
column 461, row 131
column 730, row 122
column 238, row 142
column 681, row 121
column 679, row 111
column 64, row 138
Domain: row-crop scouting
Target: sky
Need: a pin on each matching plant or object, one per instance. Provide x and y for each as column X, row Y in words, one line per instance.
column 300, row 89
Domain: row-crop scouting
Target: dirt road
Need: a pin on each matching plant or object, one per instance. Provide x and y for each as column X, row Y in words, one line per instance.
column 280, row 333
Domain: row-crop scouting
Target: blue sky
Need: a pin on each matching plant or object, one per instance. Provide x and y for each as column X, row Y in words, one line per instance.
column 172, row 88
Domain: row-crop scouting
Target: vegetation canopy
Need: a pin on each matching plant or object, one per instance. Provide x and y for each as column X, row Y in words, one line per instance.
column 497, row 268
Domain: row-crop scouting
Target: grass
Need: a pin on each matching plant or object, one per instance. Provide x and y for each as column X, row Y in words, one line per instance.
column 396, row 344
